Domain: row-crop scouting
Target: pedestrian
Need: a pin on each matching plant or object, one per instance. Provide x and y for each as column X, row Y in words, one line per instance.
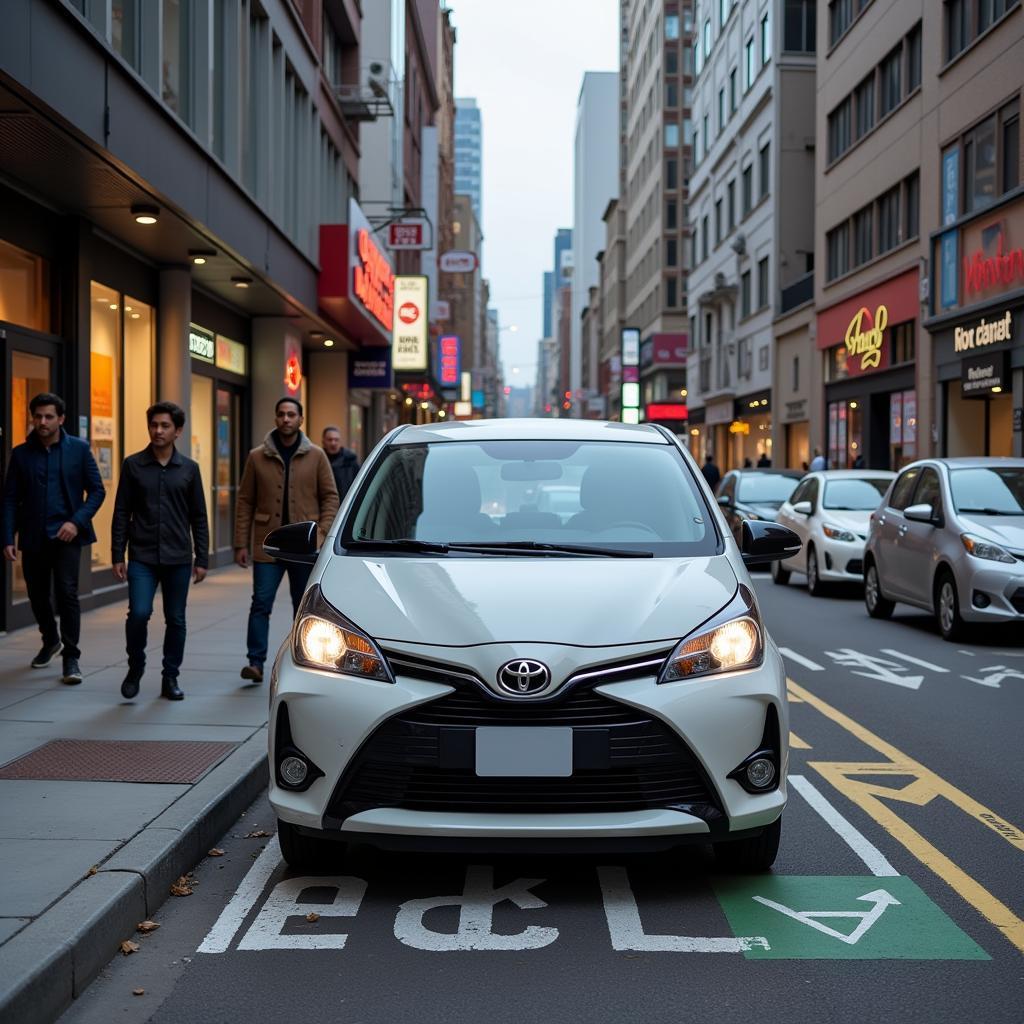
column 710, row 471
column 52, row 491
column 819, row 461
column 344, row 462
column 287, row 479
column 858, row 463
column 160, row 515
column 764, row 462
column 747, row 464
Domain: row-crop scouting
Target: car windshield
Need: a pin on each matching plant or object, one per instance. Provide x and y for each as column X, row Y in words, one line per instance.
column 766, row 488
column 612, row 495
column 855, row 495
column 989, row 490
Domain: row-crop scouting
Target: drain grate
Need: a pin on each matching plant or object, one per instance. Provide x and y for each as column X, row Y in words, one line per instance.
column 118, row 761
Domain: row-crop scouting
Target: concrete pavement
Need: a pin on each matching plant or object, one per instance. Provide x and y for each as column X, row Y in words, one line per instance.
column 85, row 858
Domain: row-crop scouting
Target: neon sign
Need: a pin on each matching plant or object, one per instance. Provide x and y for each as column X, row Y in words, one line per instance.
column 867, row 342
column 292, row 373
column 373, row 281
column 982, row 272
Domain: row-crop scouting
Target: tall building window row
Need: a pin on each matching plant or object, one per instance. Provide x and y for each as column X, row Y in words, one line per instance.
column 966, row 20
column 989, row 159
column 877, row 95
column 841, row 15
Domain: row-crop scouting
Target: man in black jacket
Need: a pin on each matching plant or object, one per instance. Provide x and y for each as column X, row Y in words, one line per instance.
column 344, row 462
column 44, row 506
column 160, row 514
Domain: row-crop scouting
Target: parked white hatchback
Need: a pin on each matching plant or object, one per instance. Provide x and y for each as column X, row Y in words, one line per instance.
column 462, row 678
column 830, row 512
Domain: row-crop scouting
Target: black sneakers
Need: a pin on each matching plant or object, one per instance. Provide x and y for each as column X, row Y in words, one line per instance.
column 169, row 688
column 253, row 672
column 130, row 686
column 72, row 673
column 46, row 654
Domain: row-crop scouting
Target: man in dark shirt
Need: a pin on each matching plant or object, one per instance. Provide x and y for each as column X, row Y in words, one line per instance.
column 344, row 462
column 43, row 506
column 160, row 514
column 711, row 472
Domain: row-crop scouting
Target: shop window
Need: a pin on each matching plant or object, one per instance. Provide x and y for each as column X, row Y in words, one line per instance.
column 902, row 428
column 24, row 288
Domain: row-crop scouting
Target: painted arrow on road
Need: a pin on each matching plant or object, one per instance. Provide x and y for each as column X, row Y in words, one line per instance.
column 867, row 918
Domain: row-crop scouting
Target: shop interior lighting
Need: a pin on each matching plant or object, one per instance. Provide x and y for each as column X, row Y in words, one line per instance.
column 144, row 213
column 200, row 256
column 328, row 343
column 241, row 282
column 996, row 390
column 113, row 305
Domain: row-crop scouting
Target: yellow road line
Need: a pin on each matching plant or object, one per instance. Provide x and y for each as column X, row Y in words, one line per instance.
column 798, row 744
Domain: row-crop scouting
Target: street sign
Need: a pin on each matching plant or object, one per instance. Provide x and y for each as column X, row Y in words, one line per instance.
column 409, row 233
column 450, row 350
column 410, row 338
column 458, row 261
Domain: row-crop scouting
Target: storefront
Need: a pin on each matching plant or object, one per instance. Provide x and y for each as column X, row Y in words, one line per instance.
column 979, row 333
column 750, row 432
column 868, row 345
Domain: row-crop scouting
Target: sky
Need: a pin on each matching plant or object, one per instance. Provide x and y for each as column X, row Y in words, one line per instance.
column 524, row 64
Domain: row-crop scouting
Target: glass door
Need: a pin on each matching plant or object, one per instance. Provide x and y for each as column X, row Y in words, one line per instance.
column 227, row 469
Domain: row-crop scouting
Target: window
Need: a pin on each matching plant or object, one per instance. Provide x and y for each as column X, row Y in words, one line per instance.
column 671, row 136
column 889, row 220
column 707, row 133
column 732, row 91
column 125, row 30
column 840, row 16
column 704, row 232
column 718, row 222
column 766, row 39
column 693, row 247
column 762, row 357
column 698, row 58
column 672, row 26
column 748, row 189
column 799, row 26
column 902, row 343
column 672, row 62
column 899, row 497
column 707, row 38
column 911, row 206
column 745, row 297
column 730, row 193
column 980, row 166
column 864, row 101
column 838, row 244
column 914, row 58
column 672, row 174
column 839, row 139
column 762, row 283
column 889, row 76
column 671, row 94
column 968, row 19
column 1011, row 148
column 748, row 64
column 862, row 231
column 796, row 373
column 671, row 215
column 176, row 59
column 956, row 27
column 671, row 253
column 721, row 109
column 24, row 292
column 671, row 292
column 764, row 169
column 724, row 6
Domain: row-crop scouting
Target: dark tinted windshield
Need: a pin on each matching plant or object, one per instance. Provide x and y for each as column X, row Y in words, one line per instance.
column 988, row 489
column 766, row 488
column 855, row 495
column 595, row 493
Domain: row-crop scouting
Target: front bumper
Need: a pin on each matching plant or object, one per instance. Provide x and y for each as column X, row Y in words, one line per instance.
column 712, row 725
column 841, row 561
column 990, row 591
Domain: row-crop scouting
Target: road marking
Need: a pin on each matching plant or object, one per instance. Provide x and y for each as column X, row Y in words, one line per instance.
column 872, row 667
column 627, row 931
column 246, row 895
column 796, row 743
column 865, row 918
column 997, row 674
column 926, row 785
column 912, row 660
column 970, row 654
column 267, row 931
column 801, row 660
column 859, row 843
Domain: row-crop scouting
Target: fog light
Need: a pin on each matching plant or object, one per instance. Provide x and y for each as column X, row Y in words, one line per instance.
column 293, row 771
column 980, row 599
column 761, row 772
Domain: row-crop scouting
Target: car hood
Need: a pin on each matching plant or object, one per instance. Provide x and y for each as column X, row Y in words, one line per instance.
column 1005, row 530
column 588, row 602
column 852, row 520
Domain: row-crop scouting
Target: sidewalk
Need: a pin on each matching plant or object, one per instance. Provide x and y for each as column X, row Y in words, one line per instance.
column 191, row 768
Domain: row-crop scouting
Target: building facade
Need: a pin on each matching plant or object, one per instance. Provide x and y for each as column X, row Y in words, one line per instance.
column 552, row 277
column 469, row 153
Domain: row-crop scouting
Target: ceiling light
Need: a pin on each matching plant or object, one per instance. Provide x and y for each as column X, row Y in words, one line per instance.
column 145, row 213
column 113, row 305
column 127, row 309
column 408, row 401
column 135, row 316
column 328, row 343
column 200, row 256
column 241, row 282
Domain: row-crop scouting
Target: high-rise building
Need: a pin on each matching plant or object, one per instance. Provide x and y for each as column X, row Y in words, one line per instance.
column 595, row 182
column 553, row 278
column 469, row 153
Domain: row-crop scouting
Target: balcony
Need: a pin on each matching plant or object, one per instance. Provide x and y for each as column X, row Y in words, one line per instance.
column 797, row 293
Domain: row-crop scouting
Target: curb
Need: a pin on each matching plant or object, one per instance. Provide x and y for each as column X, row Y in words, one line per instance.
column 51, row 961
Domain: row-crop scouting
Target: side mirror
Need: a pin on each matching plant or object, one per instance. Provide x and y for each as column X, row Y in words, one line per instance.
column 762, row 542
column 921, row 514
column 724, row 501
column 295, row 542
column 803, row 508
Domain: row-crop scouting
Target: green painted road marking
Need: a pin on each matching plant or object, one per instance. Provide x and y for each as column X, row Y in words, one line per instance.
column 850, row 917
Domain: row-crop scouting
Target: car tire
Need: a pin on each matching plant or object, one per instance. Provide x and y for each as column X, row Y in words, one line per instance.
column 304, row 852
column 748, row 856
column 947, row 607
column 779, row 575
column 877, row 604
column 814, row 585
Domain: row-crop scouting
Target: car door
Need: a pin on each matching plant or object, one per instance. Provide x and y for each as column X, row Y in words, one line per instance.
column 892, row 573
column 917, row 541
column 795, row 521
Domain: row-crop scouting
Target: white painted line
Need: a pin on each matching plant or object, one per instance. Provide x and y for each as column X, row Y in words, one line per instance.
column 860, row 844
column 912, row 660
column 246, row 895
column 970, row 654
column 801, row 660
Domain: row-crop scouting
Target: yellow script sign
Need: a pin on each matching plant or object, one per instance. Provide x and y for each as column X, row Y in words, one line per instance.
column 865, row 339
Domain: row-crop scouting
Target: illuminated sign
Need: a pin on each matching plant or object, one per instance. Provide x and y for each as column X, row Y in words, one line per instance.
column 293, row 373
column 230, row 355
column 864, row 338
column 985, row 375
column 410, row 336
column 373, row 282
column 998, row 270
column 450, row 352
column 409, row 233
column 201, row 344
column 986, row 332
column 629, row 396
column 463, row 409
column 666, row 411
column 458, row 261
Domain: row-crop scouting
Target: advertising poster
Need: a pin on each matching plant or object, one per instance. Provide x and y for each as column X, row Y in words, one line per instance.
column 410, row 335
column 102, row 396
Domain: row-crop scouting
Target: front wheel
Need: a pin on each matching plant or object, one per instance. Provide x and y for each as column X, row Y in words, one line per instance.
column 750, row 855
column 947, row 608
column 814, row 585
column 303, row 852
column 878, row 606
column 779, row 575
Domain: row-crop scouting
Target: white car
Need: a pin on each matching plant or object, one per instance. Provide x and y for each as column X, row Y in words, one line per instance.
column 460, row 679
column 830, row 512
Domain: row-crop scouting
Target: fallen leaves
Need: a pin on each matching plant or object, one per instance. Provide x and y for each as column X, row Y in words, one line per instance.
column 128, row 947
column 312, row 917
column 147, row 926
column 259, row 834
column 215, row 852
column 183, row 886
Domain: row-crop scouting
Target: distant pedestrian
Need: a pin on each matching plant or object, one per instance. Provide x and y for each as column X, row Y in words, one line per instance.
column 287, row 479
column 52, row 491
column 710, row 471
column 859, row 463
column 764, row 462
column 344, row 462
column 160, row 515
column 747, row 464
column 819, row 461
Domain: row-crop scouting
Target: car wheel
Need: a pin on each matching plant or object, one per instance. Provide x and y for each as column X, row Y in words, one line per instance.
column 879, row 606
column 750, row 855
column 780, row 575
column 814, row 585
column 947, row 607
column 307, row 852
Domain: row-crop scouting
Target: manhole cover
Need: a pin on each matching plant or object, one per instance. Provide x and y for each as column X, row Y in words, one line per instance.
column 118, row 761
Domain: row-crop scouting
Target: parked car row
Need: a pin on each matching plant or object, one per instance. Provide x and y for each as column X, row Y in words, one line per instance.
column 944, row 535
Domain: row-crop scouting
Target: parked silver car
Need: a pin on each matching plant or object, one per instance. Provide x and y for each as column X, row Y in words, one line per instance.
column 949, row 538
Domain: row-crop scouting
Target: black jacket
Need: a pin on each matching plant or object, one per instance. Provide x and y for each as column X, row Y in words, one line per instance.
column 159, row 511
column 344, row 466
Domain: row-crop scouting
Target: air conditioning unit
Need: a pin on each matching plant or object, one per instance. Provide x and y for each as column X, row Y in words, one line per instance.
column 377, row 78
column 739, row 245
column 370, row 98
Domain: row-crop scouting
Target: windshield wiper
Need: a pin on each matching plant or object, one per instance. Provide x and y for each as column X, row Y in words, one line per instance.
column 401, row 544
column 990, row 511
column 498, row 546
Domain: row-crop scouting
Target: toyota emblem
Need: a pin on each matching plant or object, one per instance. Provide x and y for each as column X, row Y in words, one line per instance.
column 523, row 677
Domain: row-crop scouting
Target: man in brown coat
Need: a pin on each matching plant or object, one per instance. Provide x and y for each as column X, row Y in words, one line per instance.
column 287, row 479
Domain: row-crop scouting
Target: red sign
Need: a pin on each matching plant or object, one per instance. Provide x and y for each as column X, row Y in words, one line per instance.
column 407, row 234
column 292, row 373
column 666, row 411
column 450, row 351
column 408, row 312
column 458, row 261
column 899, row 296
column 997, row 269
column 373, row 280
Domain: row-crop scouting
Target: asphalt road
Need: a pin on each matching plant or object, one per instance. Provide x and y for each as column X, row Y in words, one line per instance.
column 897, row 894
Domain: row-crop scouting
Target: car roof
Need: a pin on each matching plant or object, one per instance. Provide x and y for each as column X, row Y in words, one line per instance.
column 853, row 474
column 966, row 461
column 536, row 429
column 798, row 473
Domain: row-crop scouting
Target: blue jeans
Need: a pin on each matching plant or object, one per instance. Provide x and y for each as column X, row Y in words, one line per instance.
column 266, row 578
column 143, row 580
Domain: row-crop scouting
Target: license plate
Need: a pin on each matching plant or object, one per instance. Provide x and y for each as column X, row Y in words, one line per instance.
column 526, row 751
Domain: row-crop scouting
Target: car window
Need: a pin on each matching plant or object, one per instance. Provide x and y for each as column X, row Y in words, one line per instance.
column 766, row 488
column 569, row 492
column 728, row 486
column 812, row 491
column 800, row 494
column 904, row 488
column 855, row 495
column 995, row 490
column 929, row 490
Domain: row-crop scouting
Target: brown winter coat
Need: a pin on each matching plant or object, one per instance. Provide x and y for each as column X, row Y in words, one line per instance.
column 312, row 493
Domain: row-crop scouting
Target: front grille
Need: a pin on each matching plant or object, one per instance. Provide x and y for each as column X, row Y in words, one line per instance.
column 1018, row 600
column 424, row 759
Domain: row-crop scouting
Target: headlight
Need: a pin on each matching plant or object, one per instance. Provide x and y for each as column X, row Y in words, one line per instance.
column 837, row 533
column 735, row 642
column 985, row 549
column 323, row 638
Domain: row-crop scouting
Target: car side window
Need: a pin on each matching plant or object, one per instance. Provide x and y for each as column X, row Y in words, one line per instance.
column 800, row 494
column 729, row 487
column 929, row 490
column 904, row 488
column 812, row 493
